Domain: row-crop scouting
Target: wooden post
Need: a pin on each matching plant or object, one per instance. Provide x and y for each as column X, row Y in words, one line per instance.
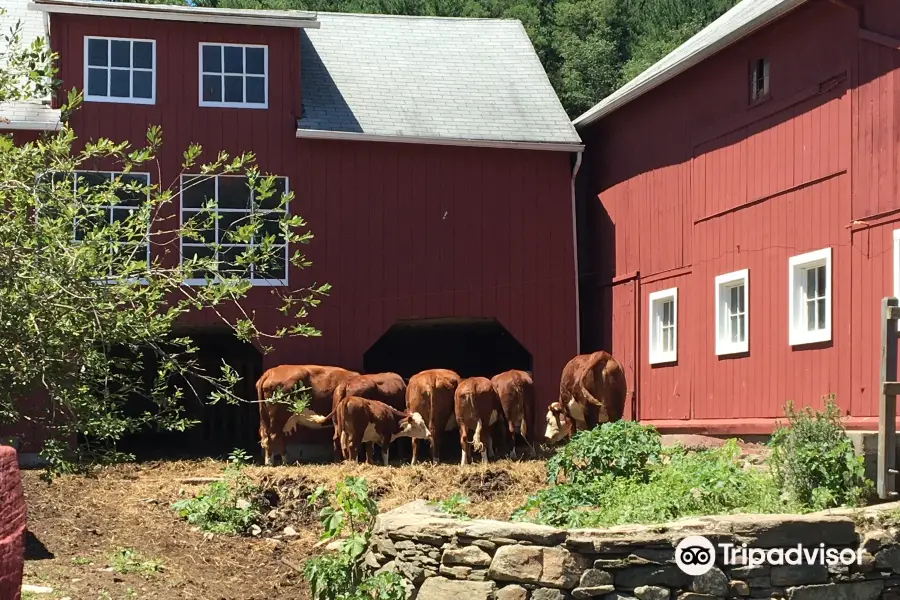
column 887, row 407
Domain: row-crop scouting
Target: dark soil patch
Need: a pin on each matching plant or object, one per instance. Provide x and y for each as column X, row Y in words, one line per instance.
column 485, row 485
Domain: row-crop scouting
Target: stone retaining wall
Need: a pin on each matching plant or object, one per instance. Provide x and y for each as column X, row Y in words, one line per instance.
column 443, row 558
column 12, row 525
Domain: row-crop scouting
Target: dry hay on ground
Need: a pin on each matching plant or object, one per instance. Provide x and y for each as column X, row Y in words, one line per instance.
column 78, row 522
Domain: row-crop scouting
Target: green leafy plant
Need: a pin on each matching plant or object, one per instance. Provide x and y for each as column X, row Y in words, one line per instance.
column 621, row 449
column 681, row 483
column 348, row 519
column 454, row 505
column 126, row 560
column 813, row 460
column 230, row 505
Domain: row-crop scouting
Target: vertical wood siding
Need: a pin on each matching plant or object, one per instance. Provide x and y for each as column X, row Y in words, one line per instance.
column 401, row 231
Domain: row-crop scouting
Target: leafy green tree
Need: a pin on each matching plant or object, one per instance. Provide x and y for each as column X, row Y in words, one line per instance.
column 81, row 303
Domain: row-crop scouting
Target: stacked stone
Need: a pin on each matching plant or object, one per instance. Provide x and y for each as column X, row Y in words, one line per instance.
column 447, row 559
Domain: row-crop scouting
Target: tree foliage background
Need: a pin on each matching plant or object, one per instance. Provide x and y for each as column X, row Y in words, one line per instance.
column 589, row 48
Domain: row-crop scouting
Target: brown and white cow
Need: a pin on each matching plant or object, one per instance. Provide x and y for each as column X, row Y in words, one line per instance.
column 477, row 408
column 592, row 390
column 384, row 387
column 515, row 391
column 430, row 393
column 276, row 420
column 373, row 422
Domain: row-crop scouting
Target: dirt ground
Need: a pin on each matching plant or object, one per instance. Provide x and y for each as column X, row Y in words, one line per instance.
column 77, row 524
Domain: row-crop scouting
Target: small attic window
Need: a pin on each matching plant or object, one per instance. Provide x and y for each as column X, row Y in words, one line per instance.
column 759, row 80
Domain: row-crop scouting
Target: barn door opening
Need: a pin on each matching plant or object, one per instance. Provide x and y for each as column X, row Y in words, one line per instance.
column 470, row 346
column 222, row 427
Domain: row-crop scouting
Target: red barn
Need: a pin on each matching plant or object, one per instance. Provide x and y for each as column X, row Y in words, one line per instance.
column 430, row 157
column 741, row 216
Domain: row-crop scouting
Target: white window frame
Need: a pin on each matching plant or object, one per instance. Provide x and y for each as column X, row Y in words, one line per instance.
column 131, row 69
column 723, row 285
column 111, row 278
column 656, row 301
column 217, row 211
column 243, row 75
column 756, row 77
column 799, row 334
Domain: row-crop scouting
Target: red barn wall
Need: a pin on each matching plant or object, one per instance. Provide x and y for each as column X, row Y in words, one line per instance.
column 401, row 230
column 690, row 181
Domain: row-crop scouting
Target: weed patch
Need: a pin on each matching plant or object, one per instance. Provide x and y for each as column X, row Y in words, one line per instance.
column 126, row 560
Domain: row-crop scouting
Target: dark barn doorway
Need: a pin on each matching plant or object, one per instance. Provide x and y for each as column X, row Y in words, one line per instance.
column 222, row 427
column 471, row 347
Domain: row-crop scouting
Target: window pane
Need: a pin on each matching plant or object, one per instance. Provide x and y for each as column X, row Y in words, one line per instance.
column 256, row 60
column 735, row 329
column 94, row 220
column 820, row 281
column 212, row 88
column 120, row 53
column 234, row 193
column 810, row 283
column 271, row 225
column 142, row 84
column 119, row 83
column 810, row 315
column 196, row 191
column 234, row 59
column 733, row 300
column 98, row 53
column 228, row 260
column 279, row 186
column 742, row 334
column 143, row 55
column 234, row 89
column 85, row 180
column 273, row 269
column 97, row 82
column 256, row 90
column 198, row 219
column 740, row 298
column 821, row 311
column 229, row 222
column 212, row 59
column 202, row 252
column 132, row 197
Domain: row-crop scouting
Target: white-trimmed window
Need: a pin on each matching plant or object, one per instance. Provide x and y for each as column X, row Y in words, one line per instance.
column 127, row 201
column 759, row 80
column 732, row 324
column 664, row 326
column 235, row 202
column 809, row 287
column 119, row 70
column 234, row 75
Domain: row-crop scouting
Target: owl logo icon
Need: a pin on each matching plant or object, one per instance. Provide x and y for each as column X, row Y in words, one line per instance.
column 695, row 555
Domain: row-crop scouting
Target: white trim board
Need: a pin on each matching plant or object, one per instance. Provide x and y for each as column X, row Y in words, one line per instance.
column 163, row 12
column 321, row 134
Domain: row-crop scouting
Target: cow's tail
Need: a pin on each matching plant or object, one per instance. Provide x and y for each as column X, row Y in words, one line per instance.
column 601, row 362
column 477, row 444
column 320, row 420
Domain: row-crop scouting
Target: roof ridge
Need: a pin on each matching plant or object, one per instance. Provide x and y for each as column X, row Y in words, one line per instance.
column 417, row 17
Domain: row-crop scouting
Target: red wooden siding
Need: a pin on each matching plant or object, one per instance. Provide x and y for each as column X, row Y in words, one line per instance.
column 696, row 183
column 401, row 230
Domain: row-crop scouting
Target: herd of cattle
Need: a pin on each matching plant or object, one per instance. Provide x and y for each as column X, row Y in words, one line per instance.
column 382, row 407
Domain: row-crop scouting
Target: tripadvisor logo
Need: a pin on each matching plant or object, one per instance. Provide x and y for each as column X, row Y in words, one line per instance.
column 696, row 555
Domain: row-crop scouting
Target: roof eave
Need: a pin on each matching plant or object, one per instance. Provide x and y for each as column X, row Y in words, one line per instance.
column 176, row 13
column 625, row 95
column 322, row 134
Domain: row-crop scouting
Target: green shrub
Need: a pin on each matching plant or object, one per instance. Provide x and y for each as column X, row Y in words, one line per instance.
column 813, row 460
column 349, row 516
column 680, row 484
column 227, row 506
column 621, row 449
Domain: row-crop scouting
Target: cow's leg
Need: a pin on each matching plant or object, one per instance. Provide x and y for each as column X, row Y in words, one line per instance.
column 488, row 450
column 464, row 445
column 386, row 451
column 435, row 446
column 337, row 448
column 415, row 450
column 370, row 452
column 280, row 448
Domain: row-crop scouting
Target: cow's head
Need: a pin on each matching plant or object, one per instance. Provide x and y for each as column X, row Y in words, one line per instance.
column 413, row 426
column 558, row 424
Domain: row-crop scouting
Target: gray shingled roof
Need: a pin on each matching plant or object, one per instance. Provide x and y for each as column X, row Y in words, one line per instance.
column 424, row 77
column 24, row 115
column 742, row 20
